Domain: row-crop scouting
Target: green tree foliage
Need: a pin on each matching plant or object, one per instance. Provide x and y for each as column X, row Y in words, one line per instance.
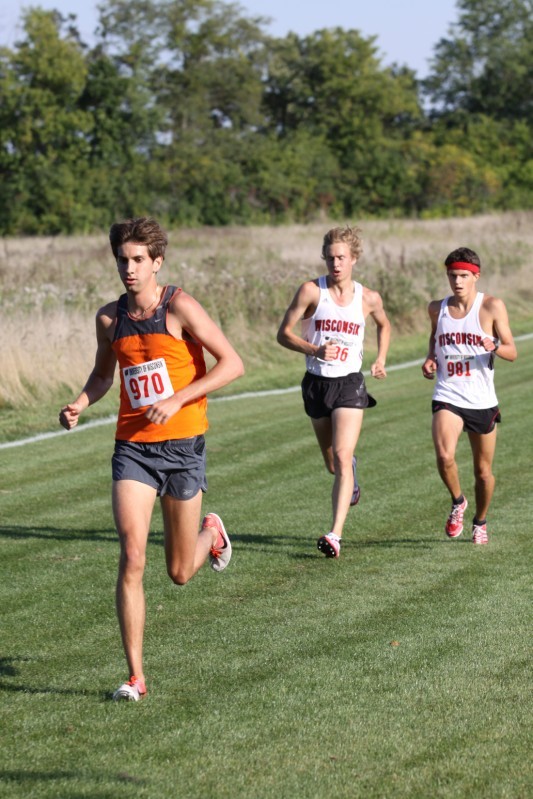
column 292, row 178
column 481, row 89
column 43, row 149
column 331, row 84
column 214, row 70
column 201, row 63
column 186, row 109
column 485, row 66
column 122, row 138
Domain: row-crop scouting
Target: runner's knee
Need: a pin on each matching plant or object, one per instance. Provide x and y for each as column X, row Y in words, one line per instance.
column 179, row 575
column 483, row 472
column 132, row 561
column 445, row 460
column 343, row 462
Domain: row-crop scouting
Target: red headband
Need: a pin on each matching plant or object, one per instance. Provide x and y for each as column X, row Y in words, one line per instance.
column 463, row 265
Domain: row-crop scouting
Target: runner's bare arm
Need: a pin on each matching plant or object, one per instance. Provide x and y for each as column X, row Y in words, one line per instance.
column 498, row 319
column 186, row 315
column 302, row 306
column 373, row 305
column 429, row 367
column 101, row 378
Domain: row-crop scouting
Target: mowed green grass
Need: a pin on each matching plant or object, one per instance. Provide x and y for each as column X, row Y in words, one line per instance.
column 400, row 670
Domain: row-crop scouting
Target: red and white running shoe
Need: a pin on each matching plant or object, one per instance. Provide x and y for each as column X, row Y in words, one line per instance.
column 479, row 534
column 132, row 690
column 330, row 545
column 454, row 525
column 220, row 552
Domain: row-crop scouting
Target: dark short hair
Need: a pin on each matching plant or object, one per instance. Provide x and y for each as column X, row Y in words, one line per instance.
column 464, row 254
column 140, row 230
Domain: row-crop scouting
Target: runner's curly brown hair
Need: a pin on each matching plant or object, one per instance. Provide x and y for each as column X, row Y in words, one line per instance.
column 140, row 230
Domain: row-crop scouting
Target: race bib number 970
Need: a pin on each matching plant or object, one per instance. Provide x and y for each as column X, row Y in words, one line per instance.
column 148, row 382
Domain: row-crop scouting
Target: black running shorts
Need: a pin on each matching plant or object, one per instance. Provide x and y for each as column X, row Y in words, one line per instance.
column 322, row 395
column 176, row 467
column 474, row 421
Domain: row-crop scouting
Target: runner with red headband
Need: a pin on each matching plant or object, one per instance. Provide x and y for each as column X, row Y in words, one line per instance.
column 469, row 329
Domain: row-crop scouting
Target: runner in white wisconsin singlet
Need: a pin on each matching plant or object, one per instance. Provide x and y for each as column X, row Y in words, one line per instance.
column 343, row 324
column 465, row 371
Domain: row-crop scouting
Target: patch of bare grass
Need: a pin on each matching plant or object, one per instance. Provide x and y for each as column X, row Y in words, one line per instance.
column 245, row 277
column 42, row 352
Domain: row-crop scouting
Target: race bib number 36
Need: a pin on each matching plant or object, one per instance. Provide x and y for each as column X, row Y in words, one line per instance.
column 147, row 383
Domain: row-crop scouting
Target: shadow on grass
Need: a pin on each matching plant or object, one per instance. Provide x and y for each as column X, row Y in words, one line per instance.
column 69, row 534
column 33, row 690
column 9, row 668
column 255, row 540
column 303, row 548
column 28, row 776
column 263, row 541
column 422, row 543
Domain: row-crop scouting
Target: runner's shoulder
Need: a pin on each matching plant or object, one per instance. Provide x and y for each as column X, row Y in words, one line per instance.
column 434, row 307
column 492, row 304
column 106, row 315
column 372, row 298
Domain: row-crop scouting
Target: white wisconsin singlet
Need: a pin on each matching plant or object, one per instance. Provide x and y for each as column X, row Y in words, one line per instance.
column 465, row 371
column 343, row 325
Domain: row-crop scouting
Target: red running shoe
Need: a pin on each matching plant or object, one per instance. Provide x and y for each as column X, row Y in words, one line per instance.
column 454, row 525
column 479, row 534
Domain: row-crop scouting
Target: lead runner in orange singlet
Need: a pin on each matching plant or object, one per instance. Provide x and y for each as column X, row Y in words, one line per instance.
column 157, row 335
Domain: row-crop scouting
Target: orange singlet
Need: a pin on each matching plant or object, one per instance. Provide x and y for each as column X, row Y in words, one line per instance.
column 153, row 365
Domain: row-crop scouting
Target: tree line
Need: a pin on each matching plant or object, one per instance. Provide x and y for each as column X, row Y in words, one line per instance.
column 188, row 110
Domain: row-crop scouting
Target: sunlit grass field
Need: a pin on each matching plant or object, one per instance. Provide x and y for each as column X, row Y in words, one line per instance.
column 400, row 670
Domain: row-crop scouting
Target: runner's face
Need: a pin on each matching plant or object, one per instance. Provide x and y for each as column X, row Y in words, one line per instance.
column 339, row 262
column 462, row 282
column 135, row 267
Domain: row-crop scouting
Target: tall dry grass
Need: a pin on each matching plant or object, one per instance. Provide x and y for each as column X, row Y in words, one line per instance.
column 245, row 277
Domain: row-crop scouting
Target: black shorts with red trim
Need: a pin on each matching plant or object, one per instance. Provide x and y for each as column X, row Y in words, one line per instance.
column 322, row 395
column 474, row 421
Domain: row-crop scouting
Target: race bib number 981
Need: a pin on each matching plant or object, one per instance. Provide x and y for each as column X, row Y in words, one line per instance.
column 459, row 367
column 148, row 382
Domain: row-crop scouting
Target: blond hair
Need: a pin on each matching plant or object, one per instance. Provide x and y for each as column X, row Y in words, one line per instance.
column 345, row 235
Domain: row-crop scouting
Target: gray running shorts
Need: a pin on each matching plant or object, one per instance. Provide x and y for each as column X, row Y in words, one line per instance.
column 176, row 467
